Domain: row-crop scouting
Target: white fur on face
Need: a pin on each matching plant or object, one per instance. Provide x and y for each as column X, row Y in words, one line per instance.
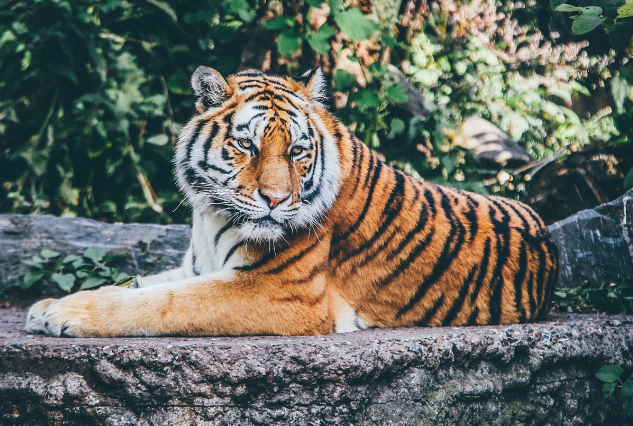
column 208, row 181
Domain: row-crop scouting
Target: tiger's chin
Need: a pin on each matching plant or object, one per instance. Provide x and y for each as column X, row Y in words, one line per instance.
column 261, row 230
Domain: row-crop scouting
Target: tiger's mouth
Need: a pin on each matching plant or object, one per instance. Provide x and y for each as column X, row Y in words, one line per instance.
column 265, row 228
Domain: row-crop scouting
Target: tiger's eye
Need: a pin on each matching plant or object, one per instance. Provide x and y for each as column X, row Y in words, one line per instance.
column 245, row 143
column 296, row 150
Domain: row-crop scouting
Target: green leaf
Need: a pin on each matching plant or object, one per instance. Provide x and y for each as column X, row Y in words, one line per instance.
column 625, row 11
column 367, row 99
column 396, row 128
column 609, row 373
column 159, row 140
column 179, row 83
column 319, row 40
column 565, row 8
column 30, row 278
column 355, row 25
column 620, row 33
column 280, row 22
column 165, row 7
column 315, row 3
column 92, row 282
column 288, row 42
column 70, row 258
column 241, row 8
column 585, row 23
column 336, row 6
column 64, row 281
column 628, row 180
column 397, row 95
column 343, row 79
column 608, row 389
column 49, row 254
column 627, row 388
column 628, row 408
column 591, row 10
column 96, row 254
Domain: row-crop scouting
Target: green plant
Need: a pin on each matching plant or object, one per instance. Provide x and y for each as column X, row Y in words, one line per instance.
column 615, row 16
column 72, row 273
column 607, row 298
column 611, row 376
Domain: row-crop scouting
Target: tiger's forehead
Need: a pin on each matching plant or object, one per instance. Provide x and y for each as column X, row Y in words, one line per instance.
column 255, row 85
column 255, row 119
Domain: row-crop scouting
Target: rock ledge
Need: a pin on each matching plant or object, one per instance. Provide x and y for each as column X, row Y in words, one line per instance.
column 503, row 375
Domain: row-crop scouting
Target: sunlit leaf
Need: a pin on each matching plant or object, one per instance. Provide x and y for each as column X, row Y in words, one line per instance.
column 159, row 140
column 397, row 95
column 609, row 373
column 96, row 254
column 64, row 281
column 343, row 79
column 319, row 40
column 92, row 282
column 280, row 22
column 367, row 99
column 355, row 24
column 586, row 23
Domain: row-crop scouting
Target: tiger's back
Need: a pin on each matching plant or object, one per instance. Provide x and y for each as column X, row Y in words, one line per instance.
column 299, row 229
column 413, row 253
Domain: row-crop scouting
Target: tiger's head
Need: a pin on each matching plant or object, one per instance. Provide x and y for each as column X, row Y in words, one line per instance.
column 259, row 152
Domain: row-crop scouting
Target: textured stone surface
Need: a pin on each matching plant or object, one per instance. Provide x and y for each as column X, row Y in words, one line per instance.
column 534, row 374
column 23, row 236
column 596, row 245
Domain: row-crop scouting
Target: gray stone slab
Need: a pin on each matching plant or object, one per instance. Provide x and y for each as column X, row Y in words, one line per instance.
column 596, row 245
column 537, row 374
column 23, row 236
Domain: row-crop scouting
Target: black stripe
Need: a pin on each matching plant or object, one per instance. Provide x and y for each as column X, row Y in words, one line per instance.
column 471, row 216
column 194, row 269
column 291, row 260
column 363, row 213
column 390, row 210
column 422, row 220
column 230, row 253
column 358, row 171
column 404, row 264
column 221, row 232
column 472, row 319
column 192, row 140
column 519, row 278
column 458, row 304
column 501, row 229
column 531, row 298
column 314, row 272
column 248, row 124
column 372, row 160
column 452, row 247
column 483, row 269
column 430, row 313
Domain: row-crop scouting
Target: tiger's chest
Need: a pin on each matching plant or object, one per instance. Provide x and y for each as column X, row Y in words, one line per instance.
column 215, row 245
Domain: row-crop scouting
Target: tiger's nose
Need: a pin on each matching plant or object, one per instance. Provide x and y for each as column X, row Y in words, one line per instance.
column 273, row 200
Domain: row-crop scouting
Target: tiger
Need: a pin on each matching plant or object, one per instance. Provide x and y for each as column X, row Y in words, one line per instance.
column 298, row 228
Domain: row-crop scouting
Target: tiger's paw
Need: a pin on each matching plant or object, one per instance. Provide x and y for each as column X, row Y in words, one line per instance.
column 76, row 315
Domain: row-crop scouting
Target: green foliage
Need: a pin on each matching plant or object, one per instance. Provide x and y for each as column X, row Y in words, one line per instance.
column 72, row 273
column 607, row 298
column 611, row 376
column 94, row 92
column 613, row 15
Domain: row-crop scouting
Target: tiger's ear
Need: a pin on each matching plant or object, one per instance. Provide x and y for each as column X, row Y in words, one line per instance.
column 210, row 88
column 314, row 81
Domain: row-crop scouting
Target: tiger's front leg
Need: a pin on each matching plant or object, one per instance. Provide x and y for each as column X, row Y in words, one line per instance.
column 218, row 304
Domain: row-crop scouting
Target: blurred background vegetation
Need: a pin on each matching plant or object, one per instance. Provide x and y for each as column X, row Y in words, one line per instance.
column 93, row 93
